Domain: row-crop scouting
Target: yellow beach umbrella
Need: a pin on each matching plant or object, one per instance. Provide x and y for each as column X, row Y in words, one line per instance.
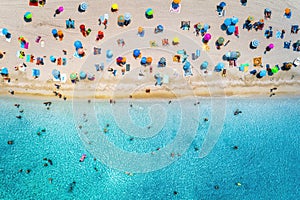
column 114, row 6
column 175, row 40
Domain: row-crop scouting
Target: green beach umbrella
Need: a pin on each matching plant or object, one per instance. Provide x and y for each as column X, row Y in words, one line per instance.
column 149, row 11
column 274, row 70
column 221, row 40
column 73, row 76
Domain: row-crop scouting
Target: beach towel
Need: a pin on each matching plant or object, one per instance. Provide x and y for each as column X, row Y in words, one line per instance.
column 287, row 45
column 63, row 78
column 76, row 55
column 278, row 34
column 177, row 10
column 31, row 58
column 42, row 43
column 64, row 61
column 36, row 72
column 28, row 58
column 166, row 79
column 59, row 61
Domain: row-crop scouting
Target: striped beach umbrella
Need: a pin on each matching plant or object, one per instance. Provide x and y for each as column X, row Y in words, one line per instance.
column 83, row 6
column 255, row 43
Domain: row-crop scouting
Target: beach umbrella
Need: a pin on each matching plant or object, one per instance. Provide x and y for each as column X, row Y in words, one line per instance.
column 143, row 60
column 221, row 40
column 222, row 4
column 149, row 60
column 4, row 31
column 140, row 29
column 227, row 21
column 187, row 66
column 234, row 20
column 162, row 60
column 56, row 73
column 82, row 75
column 119, row 59
column 77, row 44
column 149, row 12
column 255, row 43
column 205, row 27
column 127, row 16
column 60, row 8
column 160, row 27
column 4, row 71
column 230, row 30
column 262, row 73
column 250, row 18
column 176, row 1
column 109, row 54
column 83, row 6
column 267, row 10
column 114, row 6
column 54, row 32
column 121, row 19
column 204, row 65
column 80, row 51
column 91, row 77
column 274, row 69
column 175, row 40
column 28, row 15
column 123, row 59
column 136, row 53
column 207, row 37
column 287, row 11
column 219, row 66
column 271, row 46
column 73, row 76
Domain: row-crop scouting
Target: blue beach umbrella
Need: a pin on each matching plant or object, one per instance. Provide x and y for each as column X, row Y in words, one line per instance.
column 262, row 73
column 143, row 60
column 234, row 20
column 204, row 65
column 77, row 44
column 136, row 53
column 83, row 6
column 109, row 54
column 4, row 71
column 205, row 27
column 127, row 16
column 54, row 31
column 227, row 21
column 186, row 66
column 219, row 66
column 222, row 4
column 4, row 31
column 56, row 73
column 255, row 43
column 160, row 27
column 82, row 75
column 230, row 30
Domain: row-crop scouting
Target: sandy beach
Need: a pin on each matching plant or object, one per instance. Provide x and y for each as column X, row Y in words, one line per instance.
column 135, row 82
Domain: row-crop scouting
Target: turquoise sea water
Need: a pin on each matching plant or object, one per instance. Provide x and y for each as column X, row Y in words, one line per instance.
column 267, row 162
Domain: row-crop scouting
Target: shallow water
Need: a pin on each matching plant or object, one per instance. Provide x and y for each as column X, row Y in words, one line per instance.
column 266, row 162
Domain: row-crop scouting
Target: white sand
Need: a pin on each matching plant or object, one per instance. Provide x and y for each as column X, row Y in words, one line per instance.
column 107, row 86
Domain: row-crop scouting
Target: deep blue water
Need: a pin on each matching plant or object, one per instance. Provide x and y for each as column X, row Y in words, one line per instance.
column 266, row 163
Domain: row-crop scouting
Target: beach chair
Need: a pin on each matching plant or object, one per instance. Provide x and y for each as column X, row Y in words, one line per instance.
column 31, row 58
column 127, row 67
column 36, row 73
